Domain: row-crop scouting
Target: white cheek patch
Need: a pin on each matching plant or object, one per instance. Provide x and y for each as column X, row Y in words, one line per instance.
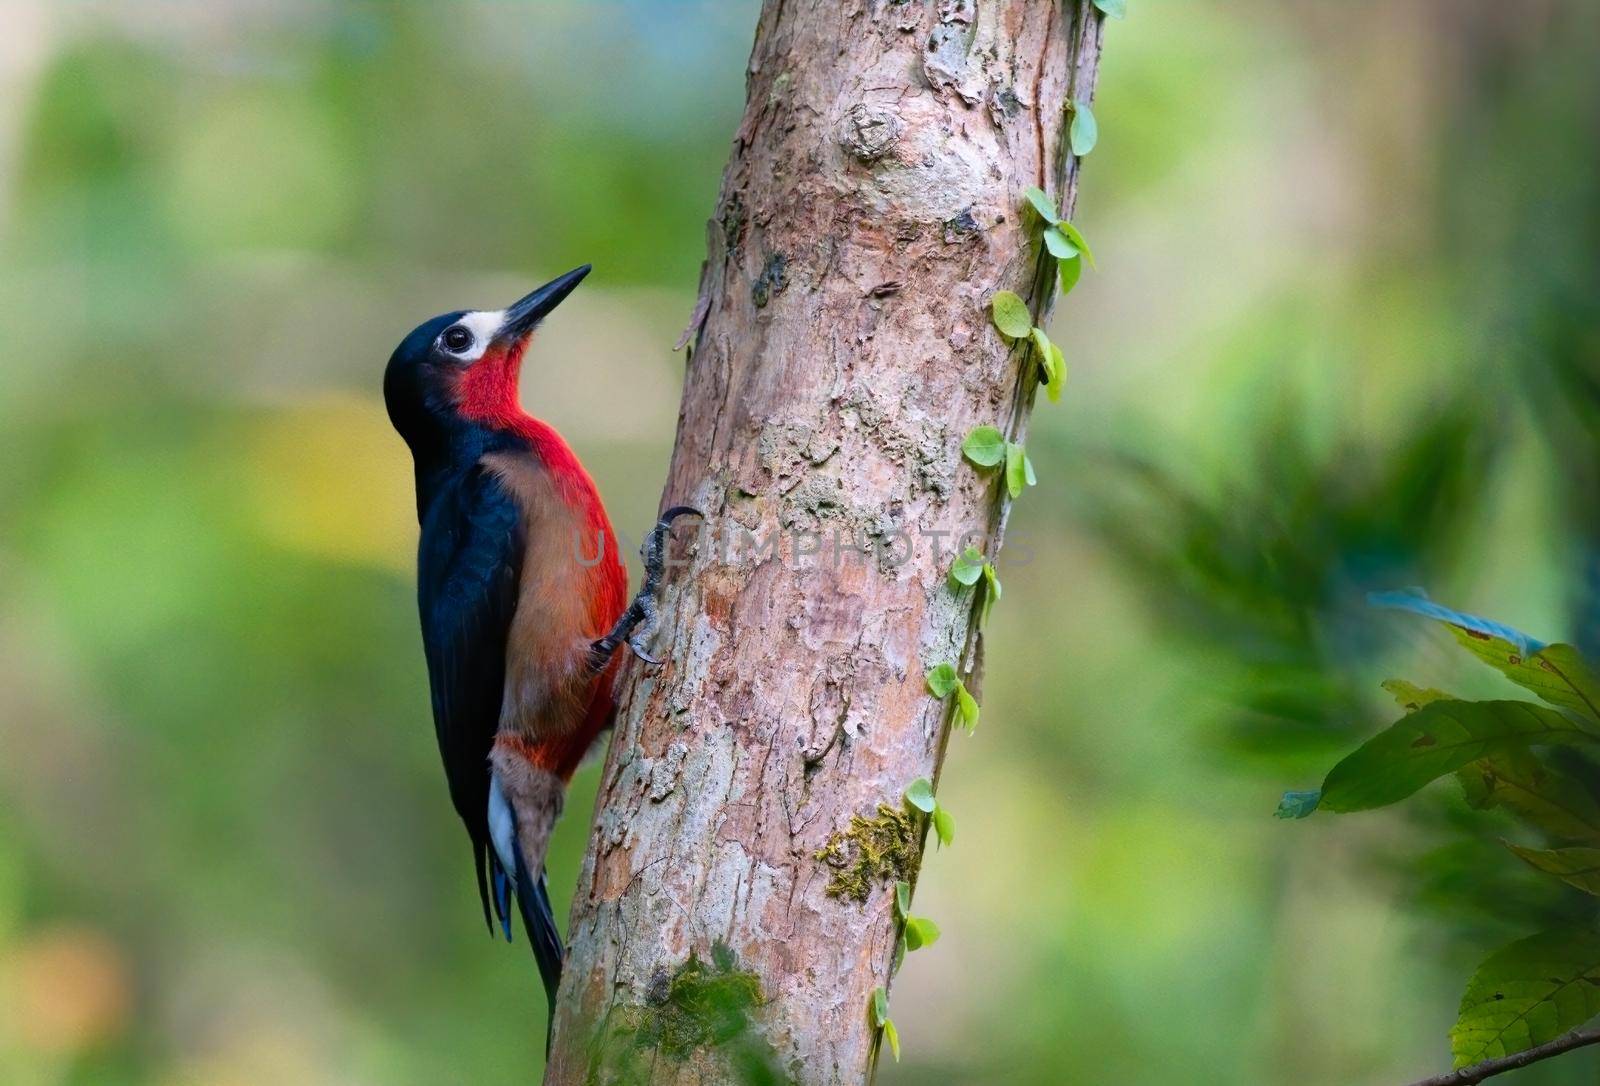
column 483, row 325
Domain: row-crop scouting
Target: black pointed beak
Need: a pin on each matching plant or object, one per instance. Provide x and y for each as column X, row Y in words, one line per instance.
column 526, row 313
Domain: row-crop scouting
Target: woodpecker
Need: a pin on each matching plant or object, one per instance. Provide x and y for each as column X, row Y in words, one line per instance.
column 522, row 595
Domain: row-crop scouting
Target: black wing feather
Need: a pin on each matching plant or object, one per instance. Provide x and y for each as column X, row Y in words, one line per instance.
column 469, row 564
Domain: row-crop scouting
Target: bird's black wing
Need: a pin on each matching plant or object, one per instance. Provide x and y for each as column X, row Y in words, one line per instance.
column 469, row 564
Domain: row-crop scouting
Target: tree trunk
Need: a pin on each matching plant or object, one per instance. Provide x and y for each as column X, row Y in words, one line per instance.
column 843, row 350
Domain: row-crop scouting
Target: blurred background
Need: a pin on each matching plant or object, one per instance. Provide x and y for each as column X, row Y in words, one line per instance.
column 1346, row 337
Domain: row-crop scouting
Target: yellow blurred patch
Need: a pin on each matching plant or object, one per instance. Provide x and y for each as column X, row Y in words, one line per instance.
column 330, row 477
column 69, row 989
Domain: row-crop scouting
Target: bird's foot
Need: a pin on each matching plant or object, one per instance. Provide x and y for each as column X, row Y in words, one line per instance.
column 638, row 622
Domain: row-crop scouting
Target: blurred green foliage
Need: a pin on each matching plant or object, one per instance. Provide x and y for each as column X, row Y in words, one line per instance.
column 1503, row 754
column 1343, row 338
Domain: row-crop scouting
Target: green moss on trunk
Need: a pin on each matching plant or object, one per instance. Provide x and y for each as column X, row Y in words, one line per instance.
column 873, row 850
column 701, row 1010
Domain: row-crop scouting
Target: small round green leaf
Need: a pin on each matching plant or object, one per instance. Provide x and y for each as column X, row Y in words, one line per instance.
column 991, row 593
column 942, row 679
column 1045, row 206
column 1052, row 368
column 985, row 446
column 1059, row 244
column 919, row 793
column 968, row 568
column 880, row 1006
column 1116, row 9
column 1058, row 374
column 1084, row 132
column 992, row 579
column 1016, row 479
column 1010, row 314
column 967, row 705
column 1075, row 236
column 944, row 825
column 1041, row 343
column 1071, row 271
column 1027, row 471
column 920, row 932
column 892, row 1035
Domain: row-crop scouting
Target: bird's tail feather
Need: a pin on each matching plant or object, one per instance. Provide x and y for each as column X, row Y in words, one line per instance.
column 524, row 803
column 502, row 901
column 539, row 920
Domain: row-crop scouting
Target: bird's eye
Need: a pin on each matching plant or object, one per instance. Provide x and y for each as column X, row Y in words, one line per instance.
column 457, row 338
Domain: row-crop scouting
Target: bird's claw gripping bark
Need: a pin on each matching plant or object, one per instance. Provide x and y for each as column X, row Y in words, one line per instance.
column 648, row 619
column 638, row 622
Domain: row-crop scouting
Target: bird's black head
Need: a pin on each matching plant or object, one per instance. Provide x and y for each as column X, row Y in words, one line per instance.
column 460, row 369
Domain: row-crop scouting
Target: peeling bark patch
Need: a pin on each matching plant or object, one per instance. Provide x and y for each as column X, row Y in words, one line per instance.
column 664, row 774
column 871, row 851
column 961, row 227
column 933, row 175
column 819, row 498
column 870, row 132
column 784, row 446
column 702, row 641
column 732, row 221
column 946, row 59
column 772, row 280
column 909, row 16
column 832, row 717
column 699, row 1008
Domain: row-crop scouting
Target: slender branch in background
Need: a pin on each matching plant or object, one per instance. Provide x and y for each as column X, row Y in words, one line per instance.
column 1469, row 1076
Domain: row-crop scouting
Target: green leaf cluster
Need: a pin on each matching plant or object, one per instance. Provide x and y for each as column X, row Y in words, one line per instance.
column 1019, row 469
column 879, row 1008
column 943, row 681
column 1063, row 240
column 987, row 447
column 1537, row 988
column 919, row 793
column 969, row 569
column 917, row 931
column 1084, row 132
column 1011, row 317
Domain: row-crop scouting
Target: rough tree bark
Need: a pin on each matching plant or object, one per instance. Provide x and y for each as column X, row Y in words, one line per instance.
column 842, row 351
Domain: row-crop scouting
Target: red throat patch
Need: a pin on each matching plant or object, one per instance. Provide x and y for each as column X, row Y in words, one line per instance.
column 486, row 391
